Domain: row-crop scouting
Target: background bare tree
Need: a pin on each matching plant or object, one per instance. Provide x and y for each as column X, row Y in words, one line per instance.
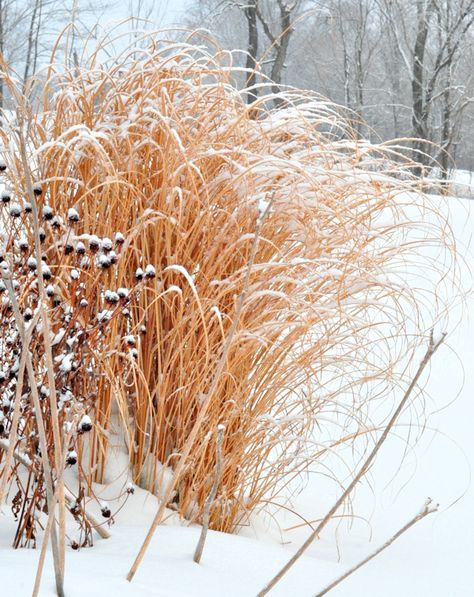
column 401, row 66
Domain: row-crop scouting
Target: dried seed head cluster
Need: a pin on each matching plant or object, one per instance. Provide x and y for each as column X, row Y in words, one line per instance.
column 81, row 310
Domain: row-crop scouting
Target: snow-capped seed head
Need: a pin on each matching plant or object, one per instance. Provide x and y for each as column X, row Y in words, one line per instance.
column 94, row 243
column 31, row 263
column 123, row 292
column 83, row 303
column 150, row 271
column 107, row 244
column 126, row 312
column 85, row 262
column 130, row 340
column 50, row 290
column 48, row 213
column 111, row 297
column 46, row 272
column 74, row 274
column 85, row 424
column 15, row 210
column 69, row 248
column 27, row 314
column 3, row 165
column 130, row 489
column 134, row 353
column 72, row 215
column 142, row 329
column 56, row 222
column 28, row 208
column 37, row 189
column 105, row 510
column 6, row 195
column 80, row 248
column 104, row 261
column 119, row 238
column 112, row 255
column 42, row 234
column 2, row 286
column 23, row 244
column 56, row 301
column 44, row 391
column 139, row 274
column 104, row 316
column 15, row 284
column 71, row 458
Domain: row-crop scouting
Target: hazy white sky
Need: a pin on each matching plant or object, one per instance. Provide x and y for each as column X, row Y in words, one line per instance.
column 163, row 12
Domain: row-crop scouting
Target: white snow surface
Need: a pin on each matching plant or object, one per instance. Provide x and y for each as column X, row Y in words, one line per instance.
column 434, row 559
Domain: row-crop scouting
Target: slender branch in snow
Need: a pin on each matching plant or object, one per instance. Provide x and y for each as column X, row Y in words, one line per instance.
column 211, row 497
column 428, row 508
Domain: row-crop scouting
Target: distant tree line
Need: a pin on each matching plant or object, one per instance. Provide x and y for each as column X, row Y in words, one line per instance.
column 403, row 67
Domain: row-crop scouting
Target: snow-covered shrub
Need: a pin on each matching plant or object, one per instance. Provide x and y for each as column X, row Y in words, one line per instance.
column 158, row 151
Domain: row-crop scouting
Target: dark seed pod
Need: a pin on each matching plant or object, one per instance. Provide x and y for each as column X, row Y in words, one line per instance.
column 85, row 424
column 37, row 189
column 105, row 510
column 6, row 196
column 28, row 314
column 48, row 213
column 3, row 166
column 94, row 243
column 68, row 249
column 46, row 272
column 56, row 301
column 28, row 208
column 104, row 261
column 80, row 248
column 72, row 215
column 71, row 459
column 42, row 235
column 107, row 245
column 15, row 210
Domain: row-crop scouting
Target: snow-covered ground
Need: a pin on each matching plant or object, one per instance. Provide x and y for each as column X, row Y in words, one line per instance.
column 434, row 559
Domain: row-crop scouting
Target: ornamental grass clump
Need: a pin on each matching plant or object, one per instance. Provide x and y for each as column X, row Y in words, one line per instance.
column 211, row 202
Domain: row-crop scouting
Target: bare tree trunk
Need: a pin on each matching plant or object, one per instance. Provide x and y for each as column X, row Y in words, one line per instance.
column 420, row 112
column 282, row 44
column 30, row 58
column 252, row 49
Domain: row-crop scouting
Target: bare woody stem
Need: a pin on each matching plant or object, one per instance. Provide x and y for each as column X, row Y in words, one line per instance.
column 211, row 497
column 432, row 348
column 428, row 508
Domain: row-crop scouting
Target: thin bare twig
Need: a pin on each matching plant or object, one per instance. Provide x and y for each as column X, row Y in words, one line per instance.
column 428, row 508
column 211, row 497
